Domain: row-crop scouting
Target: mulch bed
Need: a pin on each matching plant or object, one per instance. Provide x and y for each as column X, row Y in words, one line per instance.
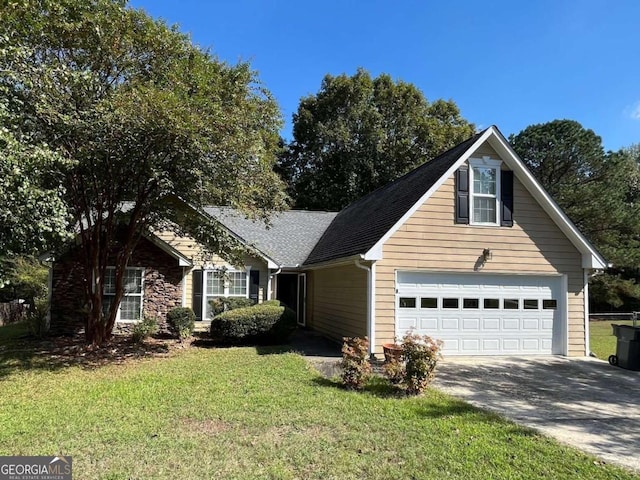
column 72, row 350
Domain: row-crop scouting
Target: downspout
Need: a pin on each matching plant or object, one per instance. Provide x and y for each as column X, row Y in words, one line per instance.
column 184, row 286
column 272, row 275
column 371, row 331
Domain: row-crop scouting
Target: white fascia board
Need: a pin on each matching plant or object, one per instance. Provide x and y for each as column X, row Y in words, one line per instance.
column 590, row 256
column 271, row 263
column 375, row 252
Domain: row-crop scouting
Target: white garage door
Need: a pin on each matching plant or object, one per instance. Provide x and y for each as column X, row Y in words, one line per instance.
column 483, row 314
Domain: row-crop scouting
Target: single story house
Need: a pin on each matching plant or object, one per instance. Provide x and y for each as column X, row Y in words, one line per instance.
column 468, row 248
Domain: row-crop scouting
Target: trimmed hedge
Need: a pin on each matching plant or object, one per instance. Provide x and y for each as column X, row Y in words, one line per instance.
column 181, row 321
column 272, row 302
column 224, row 304
column 260, row 324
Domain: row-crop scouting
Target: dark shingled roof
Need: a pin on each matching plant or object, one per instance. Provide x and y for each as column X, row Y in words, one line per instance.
column 288, row 240
column 359, row 226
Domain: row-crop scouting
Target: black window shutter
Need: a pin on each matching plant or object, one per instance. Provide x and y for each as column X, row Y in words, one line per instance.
column 196, row 277
column 506, row 202
column 462, row 195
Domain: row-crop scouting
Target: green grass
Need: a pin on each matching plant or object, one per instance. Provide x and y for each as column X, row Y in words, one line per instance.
column 247, row 413
column 601, row 340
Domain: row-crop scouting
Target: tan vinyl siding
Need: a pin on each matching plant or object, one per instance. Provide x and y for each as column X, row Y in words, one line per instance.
column 430, row 240
column 485, row 150
column 337, row 301
column 192, row 250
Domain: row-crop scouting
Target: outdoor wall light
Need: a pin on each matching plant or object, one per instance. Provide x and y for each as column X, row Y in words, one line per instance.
column 487, row 254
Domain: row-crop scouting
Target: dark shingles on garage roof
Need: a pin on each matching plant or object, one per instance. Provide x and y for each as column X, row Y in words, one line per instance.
column 359, row 226
column 288, row 239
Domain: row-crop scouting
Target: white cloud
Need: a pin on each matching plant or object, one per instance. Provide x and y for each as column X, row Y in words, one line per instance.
column 634, row 111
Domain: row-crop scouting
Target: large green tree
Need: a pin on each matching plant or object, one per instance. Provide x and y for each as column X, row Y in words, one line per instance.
column 598, row 190
column 144, row 116
column 33, row 215
column 358, row 133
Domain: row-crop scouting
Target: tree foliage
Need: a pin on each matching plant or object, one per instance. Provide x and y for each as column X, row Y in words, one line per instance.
column 359, row 133
column 139, row 114
column 598, row 190
column 33, row 215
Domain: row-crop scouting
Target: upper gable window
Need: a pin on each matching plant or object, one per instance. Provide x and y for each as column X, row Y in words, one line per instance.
column 484, row 191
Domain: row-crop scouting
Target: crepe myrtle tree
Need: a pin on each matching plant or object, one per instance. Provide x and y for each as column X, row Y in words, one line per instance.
column 152, row 127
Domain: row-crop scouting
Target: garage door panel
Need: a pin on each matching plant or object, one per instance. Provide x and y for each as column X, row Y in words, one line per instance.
column 490, row 324
column 530, row 324
column 511, row 345
column 491, row 345
column 471, row 324
column 450, row 324
column 480, row 323
column 531, row 344
column 511, row 324
column 408, row 323
column 429, row 324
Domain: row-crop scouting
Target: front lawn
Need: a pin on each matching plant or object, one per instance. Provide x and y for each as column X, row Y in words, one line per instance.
column 242, row 413
column 601, row 339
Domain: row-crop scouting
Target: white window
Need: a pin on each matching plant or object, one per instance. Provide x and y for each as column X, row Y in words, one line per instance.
column 130, row 309
column 229, row 283
column 485, row 191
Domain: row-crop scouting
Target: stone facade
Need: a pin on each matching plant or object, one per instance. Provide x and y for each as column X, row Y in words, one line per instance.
column 162, row 288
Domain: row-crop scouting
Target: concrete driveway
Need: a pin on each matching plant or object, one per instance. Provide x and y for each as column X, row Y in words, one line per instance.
column 585, row 403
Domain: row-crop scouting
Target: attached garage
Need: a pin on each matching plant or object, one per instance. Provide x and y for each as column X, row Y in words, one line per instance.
column 484, row 314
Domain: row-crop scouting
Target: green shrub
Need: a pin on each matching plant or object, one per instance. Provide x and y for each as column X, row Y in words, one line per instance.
column 144, row 329
column 394, row 370
column 356, row 368
column 37, row 317
column 181, row 321
column 224, row 304
column 421, row 354
column 272, row 302
column 258, row 324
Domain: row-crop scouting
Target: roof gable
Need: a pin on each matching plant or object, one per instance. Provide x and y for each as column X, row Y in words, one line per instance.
column 360, row 225
column 363, row 227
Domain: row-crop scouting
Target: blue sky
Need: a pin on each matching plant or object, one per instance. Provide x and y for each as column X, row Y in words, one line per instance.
column 508, row 63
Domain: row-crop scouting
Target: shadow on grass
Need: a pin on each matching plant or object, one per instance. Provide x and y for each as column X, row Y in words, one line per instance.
column 20, row 351
column 206, row 342
column 376, row 387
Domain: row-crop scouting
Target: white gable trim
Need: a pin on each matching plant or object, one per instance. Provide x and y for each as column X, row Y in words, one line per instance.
column 590, row 257
column 375, row 252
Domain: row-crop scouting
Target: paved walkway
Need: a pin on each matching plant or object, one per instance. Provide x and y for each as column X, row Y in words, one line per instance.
column 585, row 403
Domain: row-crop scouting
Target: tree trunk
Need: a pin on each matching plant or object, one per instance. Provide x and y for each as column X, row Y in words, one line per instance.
column 96, row 331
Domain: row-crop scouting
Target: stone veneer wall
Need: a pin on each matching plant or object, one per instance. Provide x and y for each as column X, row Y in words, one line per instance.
column 162, row 288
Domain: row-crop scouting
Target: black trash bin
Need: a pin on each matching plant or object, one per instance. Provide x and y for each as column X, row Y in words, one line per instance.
column 627, row 348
